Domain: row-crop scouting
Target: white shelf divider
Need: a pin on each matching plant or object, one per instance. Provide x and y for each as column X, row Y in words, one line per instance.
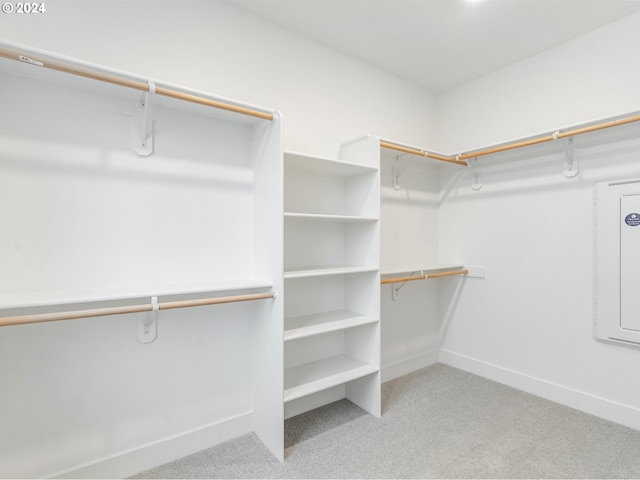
column 313, row 377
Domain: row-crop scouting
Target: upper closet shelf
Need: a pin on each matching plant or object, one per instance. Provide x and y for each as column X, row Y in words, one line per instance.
column 326, row 166
column 328, row 218
column 564, row 133
column 565, row 138
column 85, row 76
column 52, row 298
column 405, row 149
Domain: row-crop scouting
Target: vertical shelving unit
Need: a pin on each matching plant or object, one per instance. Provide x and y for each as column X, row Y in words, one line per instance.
column 332, row 278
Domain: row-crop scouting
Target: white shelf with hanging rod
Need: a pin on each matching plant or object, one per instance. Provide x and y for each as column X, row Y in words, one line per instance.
column 134, row 196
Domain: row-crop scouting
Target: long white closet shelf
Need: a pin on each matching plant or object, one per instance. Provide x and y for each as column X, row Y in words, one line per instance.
column 326, row 166
column 316, row 217
column 40, row 299
column 420, row 267
column 313, row 377
column 321, row 271
column 309, row 325
column 81, row 83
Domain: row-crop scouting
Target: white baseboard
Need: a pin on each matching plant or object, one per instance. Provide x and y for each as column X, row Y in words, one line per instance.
column 601, row 407
column 409, row 365
column 139, row 459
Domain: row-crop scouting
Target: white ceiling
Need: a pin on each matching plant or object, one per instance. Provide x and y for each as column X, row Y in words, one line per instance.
column 440, row 44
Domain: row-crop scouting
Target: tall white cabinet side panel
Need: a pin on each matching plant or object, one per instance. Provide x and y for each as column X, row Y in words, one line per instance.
column 267, row 352
column 365, row 392
column 630, row 262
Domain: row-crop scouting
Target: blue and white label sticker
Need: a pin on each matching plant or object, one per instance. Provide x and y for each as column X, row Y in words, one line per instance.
column 633, row 219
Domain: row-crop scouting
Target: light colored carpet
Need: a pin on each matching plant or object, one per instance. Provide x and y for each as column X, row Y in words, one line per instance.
column 438, row 422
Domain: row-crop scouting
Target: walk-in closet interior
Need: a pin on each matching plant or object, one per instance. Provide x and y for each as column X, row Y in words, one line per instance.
column 216, row 216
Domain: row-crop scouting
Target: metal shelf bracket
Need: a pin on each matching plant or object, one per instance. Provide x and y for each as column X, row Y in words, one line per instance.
column 571, row 156
column 395, row 289
column 398, row 168
column 143, row 124
column 476, row 179
column 147, row 326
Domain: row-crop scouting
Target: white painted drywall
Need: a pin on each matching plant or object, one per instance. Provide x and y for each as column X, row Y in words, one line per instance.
column 530, row 322
column 590, row 77
column 409, row 236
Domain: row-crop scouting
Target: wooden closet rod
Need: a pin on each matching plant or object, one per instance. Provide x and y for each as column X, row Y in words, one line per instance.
column 101, row 312
column 461, row 159
column 411, row 278
column 422, row 153
column 129, row 83
column 422, row 277
column 548, row 138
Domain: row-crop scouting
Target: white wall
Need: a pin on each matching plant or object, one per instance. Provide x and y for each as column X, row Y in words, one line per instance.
column 590, row 77
column 409, row 236
column 529, row 323
column 326, row 98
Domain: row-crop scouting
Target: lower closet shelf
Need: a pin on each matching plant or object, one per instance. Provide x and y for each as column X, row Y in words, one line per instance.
column 308, row 325
column 313, row 377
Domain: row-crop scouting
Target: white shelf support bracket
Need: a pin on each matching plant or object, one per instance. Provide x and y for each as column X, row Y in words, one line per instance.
column 143, row 124
column 395, row 289
column 476, row 180
column 147, row 326
column 394, row 292
column 398, row 168
column 475, row 271
column 571, row 156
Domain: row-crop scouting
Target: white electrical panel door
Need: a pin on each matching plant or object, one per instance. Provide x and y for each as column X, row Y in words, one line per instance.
column 630, row 262
column 617, row 248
